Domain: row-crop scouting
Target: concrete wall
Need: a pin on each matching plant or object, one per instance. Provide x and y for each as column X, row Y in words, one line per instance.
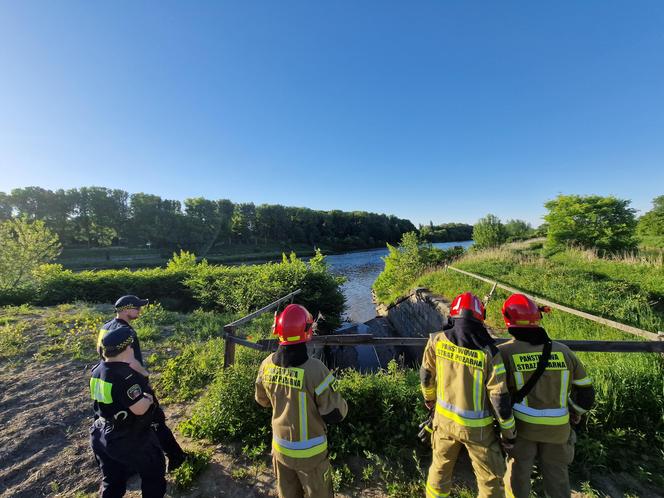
column 417, row 315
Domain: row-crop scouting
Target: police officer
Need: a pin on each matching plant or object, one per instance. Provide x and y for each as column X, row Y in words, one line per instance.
column 121, row 437
column 128, row 308
column 544, row 406
column 302, row 394
column 463, row 376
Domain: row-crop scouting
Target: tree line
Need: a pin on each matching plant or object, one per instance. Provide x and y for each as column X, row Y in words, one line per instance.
column 101, row 217
column 607, row 224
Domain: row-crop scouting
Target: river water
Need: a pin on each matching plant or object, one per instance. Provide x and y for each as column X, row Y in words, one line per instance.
column 360, row 270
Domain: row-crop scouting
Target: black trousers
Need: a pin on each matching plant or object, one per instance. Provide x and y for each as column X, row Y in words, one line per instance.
column 165, row 436
column 119, row 458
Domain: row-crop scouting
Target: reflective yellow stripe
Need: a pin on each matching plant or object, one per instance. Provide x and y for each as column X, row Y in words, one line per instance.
column 499, row 369
column 439, row 379
column 564, row 419
column 564, row 386
column 478, row 392
column 322, row 387
column 586, row 381
column 428, row 392
column 304, row 453
column 435, row 492
column 101, row 391
column 100, row 336
column 507, row 424
column 467, row 422
column 293, row 338
column 304, row 431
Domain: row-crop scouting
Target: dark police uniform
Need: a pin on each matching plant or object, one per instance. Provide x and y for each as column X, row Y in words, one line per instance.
column 124, row 443
column 116, row 323
column 166, row 439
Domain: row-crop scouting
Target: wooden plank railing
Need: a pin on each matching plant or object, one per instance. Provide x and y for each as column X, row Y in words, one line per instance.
column 604, row 321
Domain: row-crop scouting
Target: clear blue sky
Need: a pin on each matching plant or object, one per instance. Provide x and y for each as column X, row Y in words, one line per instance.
column 431, row 110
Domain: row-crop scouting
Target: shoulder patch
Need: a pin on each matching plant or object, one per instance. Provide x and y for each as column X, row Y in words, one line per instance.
column 134, row 391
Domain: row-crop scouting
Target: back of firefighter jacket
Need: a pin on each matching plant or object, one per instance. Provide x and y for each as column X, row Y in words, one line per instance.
column 300, row 397
column 468, row 386
column 543, row 415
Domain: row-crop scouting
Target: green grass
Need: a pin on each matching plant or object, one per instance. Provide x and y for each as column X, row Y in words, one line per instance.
column 13, row 339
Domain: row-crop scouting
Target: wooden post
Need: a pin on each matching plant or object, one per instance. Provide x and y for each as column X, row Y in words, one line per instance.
column 229, row 343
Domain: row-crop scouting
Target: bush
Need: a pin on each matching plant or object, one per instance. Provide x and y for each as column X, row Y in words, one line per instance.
column 240, row 289
column 186, row 375
column 384, row 410
column 405, row 263
column 387, row 403
column 605, row 223
column 489, row 232
column 228, row 410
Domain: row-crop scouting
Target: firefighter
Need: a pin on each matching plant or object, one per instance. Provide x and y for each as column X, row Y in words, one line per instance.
column 304, row 399
column 128, row 308
column 463, row 376
column 560, row 393
column 121, row 437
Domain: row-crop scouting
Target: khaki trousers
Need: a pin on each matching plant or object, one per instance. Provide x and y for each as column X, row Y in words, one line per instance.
column 485, row 455
column 553, row 462
column 315, row 482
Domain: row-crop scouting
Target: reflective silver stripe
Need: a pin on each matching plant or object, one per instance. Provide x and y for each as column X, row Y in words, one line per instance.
column 546, row 412
column 325, row 384
column 586, row 381
column 518, row 377
column 300, row 445
column 471, row 414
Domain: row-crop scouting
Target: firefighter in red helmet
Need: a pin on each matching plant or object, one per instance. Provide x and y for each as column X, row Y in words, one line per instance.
column 463, row 376
column 303, row 396
column 550, row 389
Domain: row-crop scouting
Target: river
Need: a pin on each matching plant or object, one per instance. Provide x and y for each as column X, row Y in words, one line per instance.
column 361, row 269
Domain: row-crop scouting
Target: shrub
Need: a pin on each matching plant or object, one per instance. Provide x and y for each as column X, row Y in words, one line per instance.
column 187, row 374
column 228, row 410
column 405, row 263
column 489, row 232
column 606, row 223
column 240, row 289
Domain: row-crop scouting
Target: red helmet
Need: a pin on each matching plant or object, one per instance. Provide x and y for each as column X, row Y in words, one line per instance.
column 468, row 305
column 293, row 325
column 521, row 311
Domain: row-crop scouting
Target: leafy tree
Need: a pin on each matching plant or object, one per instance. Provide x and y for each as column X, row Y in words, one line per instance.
column 652, row 223
column 593, row 221
column 243, row 222
column 5, row 206
column 489, row 232
column 518, row 229
column 24, row 245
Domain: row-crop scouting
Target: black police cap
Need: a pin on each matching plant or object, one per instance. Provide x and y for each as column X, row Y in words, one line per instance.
column 117, row 340
column 130, row 302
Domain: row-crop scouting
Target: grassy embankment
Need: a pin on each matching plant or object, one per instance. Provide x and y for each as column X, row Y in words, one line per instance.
column 625, row 430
